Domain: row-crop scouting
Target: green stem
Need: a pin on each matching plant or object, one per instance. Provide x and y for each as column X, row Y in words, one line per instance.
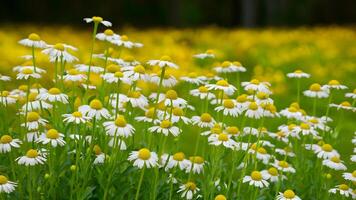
column 140, row 183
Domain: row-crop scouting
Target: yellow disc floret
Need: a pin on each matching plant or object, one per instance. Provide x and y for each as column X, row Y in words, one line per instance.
column 144, row 154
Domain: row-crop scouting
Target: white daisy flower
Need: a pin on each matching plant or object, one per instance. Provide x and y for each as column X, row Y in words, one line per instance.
column 325, row 151
column 283, row 166
column 280, row 136
column 176, row 160
column 204, row 121
column 287, row 151
column 148, row 116
column 222, row 85
column 52, row 137
column 143, row 158
column 59, row 52
column 6, row 98
column 261, row 153
column 74, row 76
column 193, row 78
column 256, row 180
column 222, row 139
column 316, row 91
column 342, row 189
column 254, row 111
column 164, row 61
column 115, row 77
column 100, row 157
column 305, row 129
column 257, row 86
column 21, row 68
column 287, row 195
column 165, row 128
column 76, row 117
column 53, row 95
column 351, row 95
column 196, row 165
column 272, row 175
column 230, row 67
column 108, row 35
column 334, row 84
column 167, row 81
column 318, row 123
column 137, row 73
column 119, row 127
column 33, row 104
column 136, row 99
column 172, row 100
column 26, row 74
column 350, row 176
column 4, row 78
column 208, row 54
column 298, row 74
column 7, row 143
column 85, row 68
column 6, row 186
column 117, row 143
column 33, row 40
column 344, row 105
column 124, row 41
column 188, row 190
column 291, row 113
column 34, row 121
column 335, row 163
column 94, row 109
column 229, row 108
column 97, row 20
column 203, row 93
column 177, row 115
column 32, row 158
column 32, row 136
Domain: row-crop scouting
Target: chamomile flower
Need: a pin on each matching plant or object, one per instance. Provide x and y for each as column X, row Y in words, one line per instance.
column 172, row 99
column 280, row 136
column 207, row 54
column 291, row 113
column 220, row 197
column 73, row 75
column 52, row 137
column 117, row 143
column 76, row 118
column 222, row 85
column 166, row 127
column 318, row 123
column 256, row 179
column 254, row 111
column 351, row 94
column 136, row 99
column 99, row 155
column 97, row 20
column 167, row 81
column 287, row 195
column 334, row 163
column 27, row 73
column 33, row 157
column 287, row 151
column 325, row 151
column 283, row 166
column 342, row 189
column 124, row 41
column 177, row 115
column 7, row 143
column 334, row 84
column 298, row 74
column 316, row 91
column 271, row 175
column 229, row 67
column 85, row 68
column 148, row 117
column 137, row 73
column 222, row 139
column 306, row 129
column 203, row 93
column 204, row 121
column 119, row 127
column 108, row 35
column 257, row 86
column 59, row 52
column 6, row 186
column 344, row 105
column 260, row 152
column 34, row 104
column 193, row 78
column 176, row 160
column 6, row 98
column 4, row 78
column 164, row 61
column 188, row 190
column 34, row 121
column 53, row 95
column 143, row 158
column 20, row 68
column 196, row 165
column 350, row 176
column 94, row 110
column 33, row 40
column 229, row 108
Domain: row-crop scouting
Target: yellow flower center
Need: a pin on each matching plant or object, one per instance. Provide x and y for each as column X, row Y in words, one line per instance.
column 304, row 126
column 197, row 159
column 281, row 134
column 291, row 126
column 120, row 121
column 171, row 94
column 256, row 176
column 345, row 104
column 124, row 38
column 59, row 46
column 96, row 104
column 118, row 74
column 129, row 58
column 223, row 137
column 226, row 64
column 4, row 93
column 209, row 51
column 179, row 156
column 292, row 109
column 190, row 186
column 177, row 112
column 289, row 194
column 253, row 106
column 113, row 68
column 220, row 197
column 233, row 130
column 23, row 87
column 295, row 105
column 192, row 75
column 354, row 173
column 314, row 120
column 216, row 130
column 315, row 87
column 3, row 180
column 73, row 72
column 205, row 117
column 77, row 114
column 334, row 82
column 27, row 71
column 343, row 187
column 262, row 95
column 5, row 139
column 262, row 150
column 327, row 147
column 222, row 83
column 203, row 89
column 134, row 94
column 54, row 91
column 149, row 113
column 166, row 124
column 97, row 149
column 139, row 69
column 335, row 159
column 228, row 103
column 109, row 32
column 166, row 58
column 52, row 134
column 97, row 19
column 283, row 164
column 255, row 81
column 242, row 98
column 32, row 153
column 32, row 116
column 34, row 37
column 273, row 171
column 236, row 63
column 298, row 71
column 144, row 154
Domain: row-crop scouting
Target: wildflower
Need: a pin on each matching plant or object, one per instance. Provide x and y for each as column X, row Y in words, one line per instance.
column 32, row 158
column 33, row 121
column 208, row 54
column 85, row 68
column 260, row 152
column 117, row 143
column 137, row 73
column 283, row 166
column 148, row 116
column 176, row 160
column 334, row 163
column 74, row 76
column 6, row 186
column 35, row 104
column 230, row 67
column 4, row 78
column 94, row 109
column 325, row 151
column 220, row 197
column 167, row 81
column 177, row 115
column 280, row 136
column 59, row 52
column 306, row 129
column 165, row 128
column 26, row 74
column 222, row 139
column 292, row 113
column 136, row 99
column 188, row 190
column 76, row 117
column 192, row 78
column 271, row 175
column 33, row 40
column 143, row 157
column 222, row 85
column 342, row 189
column 119, row 127
column 52, row 137
column 108, row 35
column 99, row 155
column 351, row 94
column 350, row 176
column 196, row 165
column 124, row 41
column 172, row 99
column 203, row 93
column 97, row 20
column 256, row 86
column 203, row 121
column 344, row 105
column 256, row 180
column 7, row 142
column 229, row 108
column 288, row 195
column 254, row 111
column 164, row 61
column 53, row 95
column 298, row 74
column 335, row 84
column 6, row 98
column 285, row 152
column 316, row 91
